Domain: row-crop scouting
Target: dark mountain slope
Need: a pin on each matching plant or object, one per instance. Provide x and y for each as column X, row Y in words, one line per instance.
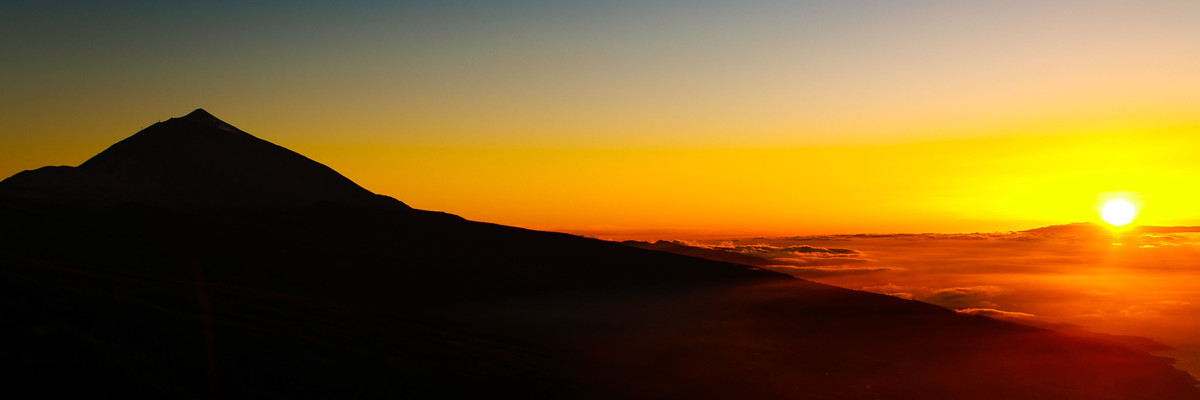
column 335, row 300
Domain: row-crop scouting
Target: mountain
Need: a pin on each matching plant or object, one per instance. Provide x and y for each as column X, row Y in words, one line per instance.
column 197, row 163
column 148, row 294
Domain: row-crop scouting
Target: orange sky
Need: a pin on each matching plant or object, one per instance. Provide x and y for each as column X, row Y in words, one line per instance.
column 654, row 119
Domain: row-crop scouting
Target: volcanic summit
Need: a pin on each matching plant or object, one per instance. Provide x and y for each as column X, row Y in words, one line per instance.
column 193, row 163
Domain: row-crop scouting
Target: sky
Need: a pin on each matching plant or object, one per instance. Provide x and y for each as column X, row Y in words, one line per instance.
column 664, row 119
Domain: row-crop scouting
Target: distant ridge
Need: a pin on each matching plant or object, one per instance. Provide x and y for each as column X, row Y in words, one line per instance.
column 193, row 163
column 1087, row 228
column 1092, row 228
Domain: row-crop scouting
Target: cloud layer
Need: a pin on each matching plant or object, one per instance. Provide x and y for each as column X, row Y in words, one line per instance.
column 1140, row 282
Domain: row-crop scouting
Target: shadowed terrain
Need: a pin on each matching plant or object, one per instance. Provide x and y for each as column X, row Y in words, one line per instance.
column 115, row 280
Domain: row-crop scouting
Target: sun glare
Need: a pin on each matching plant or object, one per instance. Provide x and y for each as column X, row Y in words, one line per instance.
column 1118, row 212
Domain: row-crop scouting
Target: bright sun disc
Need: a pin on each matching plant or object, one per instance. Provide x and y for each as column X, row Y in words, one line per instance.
column 1118, row 212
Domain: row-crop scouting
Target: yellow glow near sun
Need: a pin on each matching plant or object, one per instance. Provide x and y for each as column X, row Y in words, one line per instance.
column 1118, row 212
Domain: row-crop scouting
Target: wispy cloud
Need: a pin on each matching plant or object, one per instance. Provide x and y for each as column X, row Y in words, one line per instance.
column 991, row 312
column 968, row 297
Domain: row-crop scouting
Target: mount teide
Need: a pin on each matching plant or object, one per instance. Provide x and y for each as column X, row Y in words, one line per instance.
column 194, row 260
column 196, row 163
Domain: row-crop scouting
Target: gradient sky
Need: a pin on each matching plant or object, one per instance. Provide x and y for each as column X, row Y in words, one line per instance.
column 651, row 118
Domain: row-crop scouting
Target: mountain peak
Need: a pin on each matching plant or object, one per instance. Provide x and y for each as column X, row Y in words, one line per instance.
column 198, row 115
column 194, row 163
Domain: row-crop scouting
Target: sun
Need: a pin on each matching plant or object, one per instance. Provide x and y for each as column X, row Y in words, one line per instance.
column 1118, row 212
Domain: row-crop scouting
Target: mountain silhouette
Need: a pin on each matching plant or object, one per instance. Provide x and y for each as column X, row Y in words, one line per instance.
column 128, row 277
column 198, row 163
